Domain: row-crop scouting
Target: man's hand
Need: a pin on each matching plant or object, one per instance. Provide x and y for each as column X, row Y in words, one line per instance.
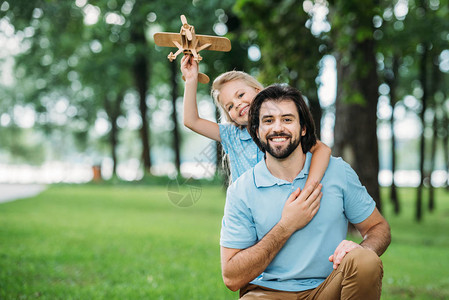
column 301, row 207
column 189, row 67
column 343, row 248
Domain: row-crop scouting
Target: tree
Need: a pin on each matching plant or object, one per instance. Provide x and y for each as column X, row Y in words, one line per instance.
column 174, row 116
column 391, row 78
column 46, row 66
column 394, row 49
column 290, row 53
column 430, row 46
column 355, row 129
column 140, row 69
column 445, row 133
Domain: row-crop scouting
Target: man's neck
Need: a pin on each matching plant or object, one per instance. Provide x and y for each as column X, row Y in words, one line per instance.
column 287, row 168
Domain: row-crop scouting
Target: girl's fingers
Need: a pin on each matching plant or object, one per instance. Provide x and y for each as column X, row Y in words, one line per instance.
column 185, row 59
column 314, row 195
column 315, row 205
column 183, row 62
column 307, row 192
column 294, row 195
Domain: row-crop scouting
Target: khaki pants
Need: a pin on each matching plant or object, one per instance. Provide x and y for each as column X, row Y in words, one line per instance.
column 359, row 276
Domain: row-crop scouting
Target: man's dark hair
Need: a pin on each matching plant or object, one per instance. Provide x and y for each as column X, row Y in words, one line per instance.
column 278, row 93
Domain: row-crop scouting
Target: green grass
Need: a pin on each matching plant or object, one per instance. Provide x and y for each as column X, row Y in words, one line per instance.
column 416, row 265
column 131, row 242
column 89, row 242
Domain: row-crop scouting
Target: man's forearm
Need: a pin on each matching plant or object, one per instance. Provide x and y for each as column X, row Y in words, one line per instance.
column 377, row 238
column 249, row 263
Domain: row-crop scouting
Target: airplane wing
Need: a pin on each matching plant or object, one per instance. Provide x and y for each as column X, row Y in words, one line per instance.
column 217, row 43
column 165, row 39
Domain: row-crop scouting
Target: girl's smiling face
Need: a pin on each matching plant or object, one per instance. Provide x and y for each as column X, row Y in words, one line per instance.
column 236, row 97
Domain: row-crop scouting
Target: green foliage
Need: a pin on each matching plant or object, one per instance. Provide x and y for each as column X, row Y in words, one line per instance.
column 290, row 52
column 356, row 98
column 89, row 66
column 364, row 34
column 23, row 145
column 405, row 38
column 351, row 39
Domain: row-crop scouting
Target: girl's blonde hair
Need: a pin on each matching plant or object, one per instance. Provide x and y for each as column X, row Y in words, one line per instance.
column 224, row 78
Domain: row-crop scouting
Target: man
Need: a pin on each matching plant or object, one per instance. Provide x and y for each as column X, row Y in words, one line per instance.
column 278, row 242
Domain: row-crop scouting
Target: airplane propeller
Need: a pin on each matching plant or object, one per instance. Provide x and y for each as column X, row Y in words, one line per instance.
column 183, row 19
column 186, row 27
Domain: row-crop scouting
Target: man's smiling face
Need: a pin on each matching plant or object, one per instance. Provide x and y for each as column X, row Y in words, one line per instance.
column 279, row 129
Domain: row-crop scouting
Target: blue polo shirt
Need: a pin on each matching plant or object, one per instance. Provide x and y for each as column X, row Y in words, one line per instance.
column 243, row 152
column 254, row 205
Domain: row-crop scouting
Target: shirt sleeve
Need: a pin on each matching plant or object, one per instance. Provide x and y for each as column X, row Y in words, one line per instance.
column 358, row 204
column 238, row 229
column 225, row 136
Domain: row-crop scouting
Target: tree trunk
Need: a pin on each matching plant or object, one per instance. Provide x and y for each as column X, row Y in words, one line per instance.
column 114, row 133
column 113, row 110
column 317, row 113
column 423, row 79
column 393, row 190
column 141, row 78
column 342, row 128
column 445, row 126
column 314, row 105
column 434, row 87
column 174, row 116
column 356, row 123
column 391, row 80
column 432, row 164
column 368, row 154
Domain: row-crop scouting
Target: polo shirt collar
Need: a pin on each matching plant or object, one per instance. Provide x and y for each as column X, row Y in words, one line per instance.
column 263, row 177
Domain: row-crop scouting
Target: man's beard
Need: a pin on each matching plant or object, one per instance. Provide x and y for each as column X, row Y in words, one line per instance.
column 279, row 152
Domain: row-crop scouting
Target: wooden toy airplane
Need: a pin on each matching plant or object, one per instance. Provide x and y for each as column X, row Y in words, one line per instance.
column 190, row 43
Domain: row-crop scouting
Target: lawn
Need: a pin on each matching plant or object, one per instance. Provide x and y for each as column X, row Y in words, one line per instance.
column 132, row 242
column 416, row 265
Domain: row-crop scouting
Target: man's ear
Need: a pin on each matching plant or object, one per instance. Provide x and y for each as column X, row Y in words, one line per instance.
column 303, row 132
column 257, row 133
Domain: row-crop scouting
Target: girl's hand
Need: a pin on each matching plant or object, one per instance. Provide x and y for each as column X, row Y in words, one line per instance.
column 189, row 67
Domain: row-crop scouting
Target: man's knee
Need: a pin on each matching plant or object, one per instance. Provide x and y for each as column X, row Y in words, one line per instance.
column 366, row 262
column 362, row 272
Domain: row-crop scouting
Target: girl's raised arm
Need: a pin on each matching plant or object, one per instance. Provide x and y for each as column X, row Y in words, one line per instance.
column 321, row 154
column 192, row 120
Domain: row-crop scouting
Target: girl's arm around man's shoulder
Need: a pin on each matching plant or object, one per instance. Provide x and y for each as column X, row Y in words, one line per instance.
column 321, row 154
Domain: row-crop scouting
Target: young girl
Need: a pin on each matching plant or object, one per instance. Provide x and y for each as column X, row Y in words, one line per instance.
column 234, row 91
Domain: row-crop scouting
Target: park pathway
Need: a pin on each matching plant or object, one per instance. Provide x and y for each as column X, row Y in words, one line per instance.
column 10, row 192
